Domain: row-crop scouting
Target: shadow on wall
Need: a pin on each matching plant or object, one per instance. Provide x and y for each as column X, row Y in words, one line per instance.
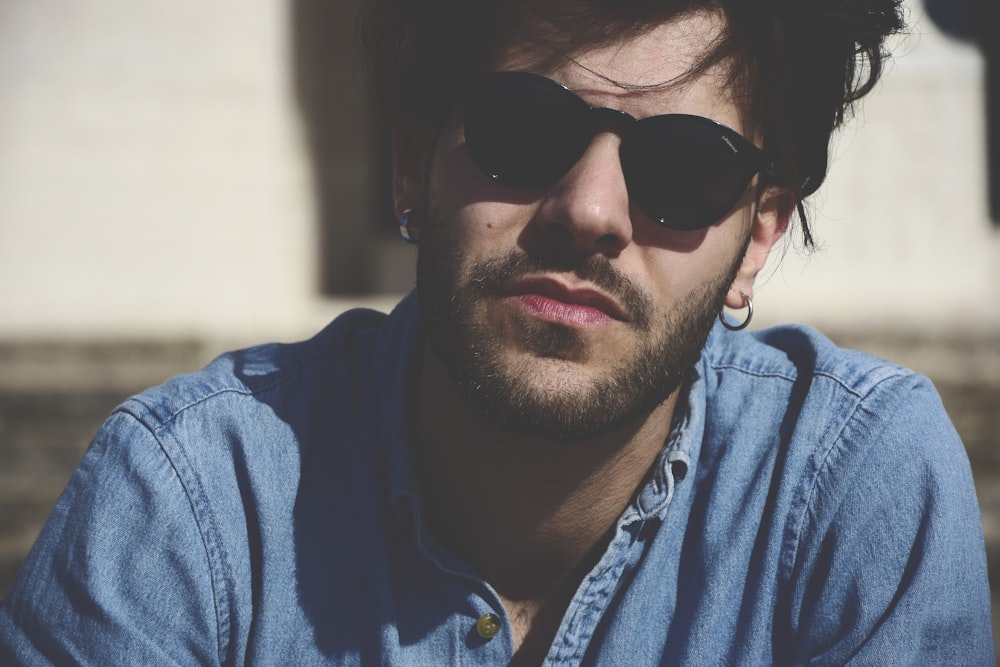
column 346, row 140
column 976, row 21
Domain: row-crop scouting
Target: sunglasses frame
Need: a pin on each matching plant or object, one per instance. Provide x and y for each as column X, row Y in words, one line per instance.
column 593, row 120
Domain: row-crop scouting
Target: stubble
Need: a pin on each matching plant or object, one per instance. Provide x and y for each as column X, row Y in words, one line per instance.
column 547, row 392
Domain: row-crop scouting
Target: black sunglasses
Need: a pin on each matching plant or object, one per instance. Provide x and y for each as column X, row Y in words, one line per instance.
column 685, row 172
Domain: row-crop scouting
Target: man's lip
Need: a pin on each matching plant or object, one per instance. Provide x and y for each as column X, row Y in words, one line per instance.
column 574, row 296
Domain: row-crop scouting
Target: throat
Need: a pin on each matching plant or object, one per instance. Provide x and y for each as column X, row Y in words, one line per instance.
column 531, row 515
column 534, row 626
column 536, row 620
column 530, row 532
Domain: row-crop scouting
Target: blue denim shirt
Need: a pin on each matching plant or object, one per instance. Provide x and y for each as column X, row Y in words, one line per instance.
column 811, row 505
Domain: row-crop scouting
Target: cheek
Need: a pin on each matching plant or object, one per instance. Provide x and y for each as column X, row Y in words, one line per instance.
column 477, row 213
column 677, row 271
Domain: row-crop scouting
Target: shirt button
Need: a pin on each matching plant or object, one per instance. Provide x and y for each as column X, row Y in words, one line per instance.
column 488, row 626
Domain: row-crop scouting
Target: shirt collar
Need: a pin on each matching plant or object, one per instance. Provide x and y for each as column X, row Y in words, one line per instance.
column 396, row 362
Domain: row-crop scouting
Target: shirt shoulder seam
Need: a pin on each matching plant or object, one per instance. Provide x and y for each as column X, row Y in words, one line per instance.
column 218, row 571
column 819, row 466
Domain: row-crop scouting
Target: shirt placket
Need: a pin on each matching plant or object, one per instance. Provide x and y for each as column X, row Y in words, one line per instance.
column 599, row 587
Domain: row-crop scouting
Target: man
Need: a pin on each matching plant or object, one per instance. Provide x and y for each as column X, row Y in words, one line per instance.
column 552, row 453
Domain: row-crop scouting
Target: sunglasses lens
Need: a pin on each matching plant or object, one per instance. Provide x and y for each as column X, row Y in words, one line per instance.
column 687, row 172
column 525, row 131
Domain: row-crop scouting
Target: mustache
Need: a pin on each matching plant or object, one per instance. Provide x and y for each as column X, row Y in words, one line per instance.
column 490, row 276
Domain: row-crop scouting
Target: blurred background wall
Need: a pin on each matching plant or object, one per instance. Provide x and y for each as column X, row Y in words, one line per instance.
column 178, row 177
column 156, row 179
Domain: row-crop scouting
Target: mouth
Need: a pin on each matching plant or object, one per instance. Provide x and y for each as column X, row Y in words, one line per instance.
column 553, row 300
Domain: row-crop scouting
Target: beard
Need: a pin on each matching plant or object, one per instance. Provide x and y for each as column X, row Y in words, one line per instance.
column 548, row 392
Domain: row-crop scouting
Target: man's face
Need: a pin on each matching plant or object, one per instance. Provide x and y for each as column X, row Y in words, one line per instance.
column 565, row 311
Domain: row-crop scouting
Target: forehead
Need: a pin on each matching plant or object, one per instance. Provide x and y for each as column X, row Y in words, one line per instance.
column 656, row 70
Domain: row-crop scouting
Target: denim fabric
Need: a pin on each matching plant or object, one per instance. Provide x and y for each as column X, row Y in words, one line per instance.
column 811, row 506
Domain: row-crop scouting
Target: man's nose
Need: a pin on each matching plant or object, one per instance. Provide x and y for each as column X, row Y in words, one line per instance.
column 587, row 210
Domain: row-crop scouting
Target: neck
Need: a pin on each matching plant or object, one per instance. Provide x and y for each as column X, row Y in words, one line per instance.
column 531, row 515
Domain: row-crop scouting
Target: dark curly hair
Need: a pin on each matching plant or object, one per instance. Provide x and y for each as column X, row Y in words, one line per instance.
column 797, row 66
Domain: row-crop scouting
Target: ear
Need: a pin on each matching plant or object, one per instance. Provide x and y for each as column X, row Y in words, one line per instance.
column 774, row 210
column 411, row 152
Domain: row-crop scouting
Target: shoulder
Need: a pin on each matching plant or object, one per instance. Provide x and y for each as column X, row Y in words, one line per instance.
column 857, row 434
column 252, row 373
column 795, row 368
column 825, row 417
column 799, row 353
column 253, row 416
column 191, row 487
column 235, row 436
column 876, row 536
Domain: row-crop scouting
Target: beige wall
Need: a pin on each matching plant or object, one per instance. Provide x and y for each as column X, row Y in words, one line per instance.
column 153, row 181
column 151, row 174
column 906, row 240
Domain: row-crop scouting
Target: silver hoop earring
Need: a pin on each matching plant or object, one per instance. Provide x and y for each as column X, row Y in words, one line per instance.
column 409, row 235
column 745, row 323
